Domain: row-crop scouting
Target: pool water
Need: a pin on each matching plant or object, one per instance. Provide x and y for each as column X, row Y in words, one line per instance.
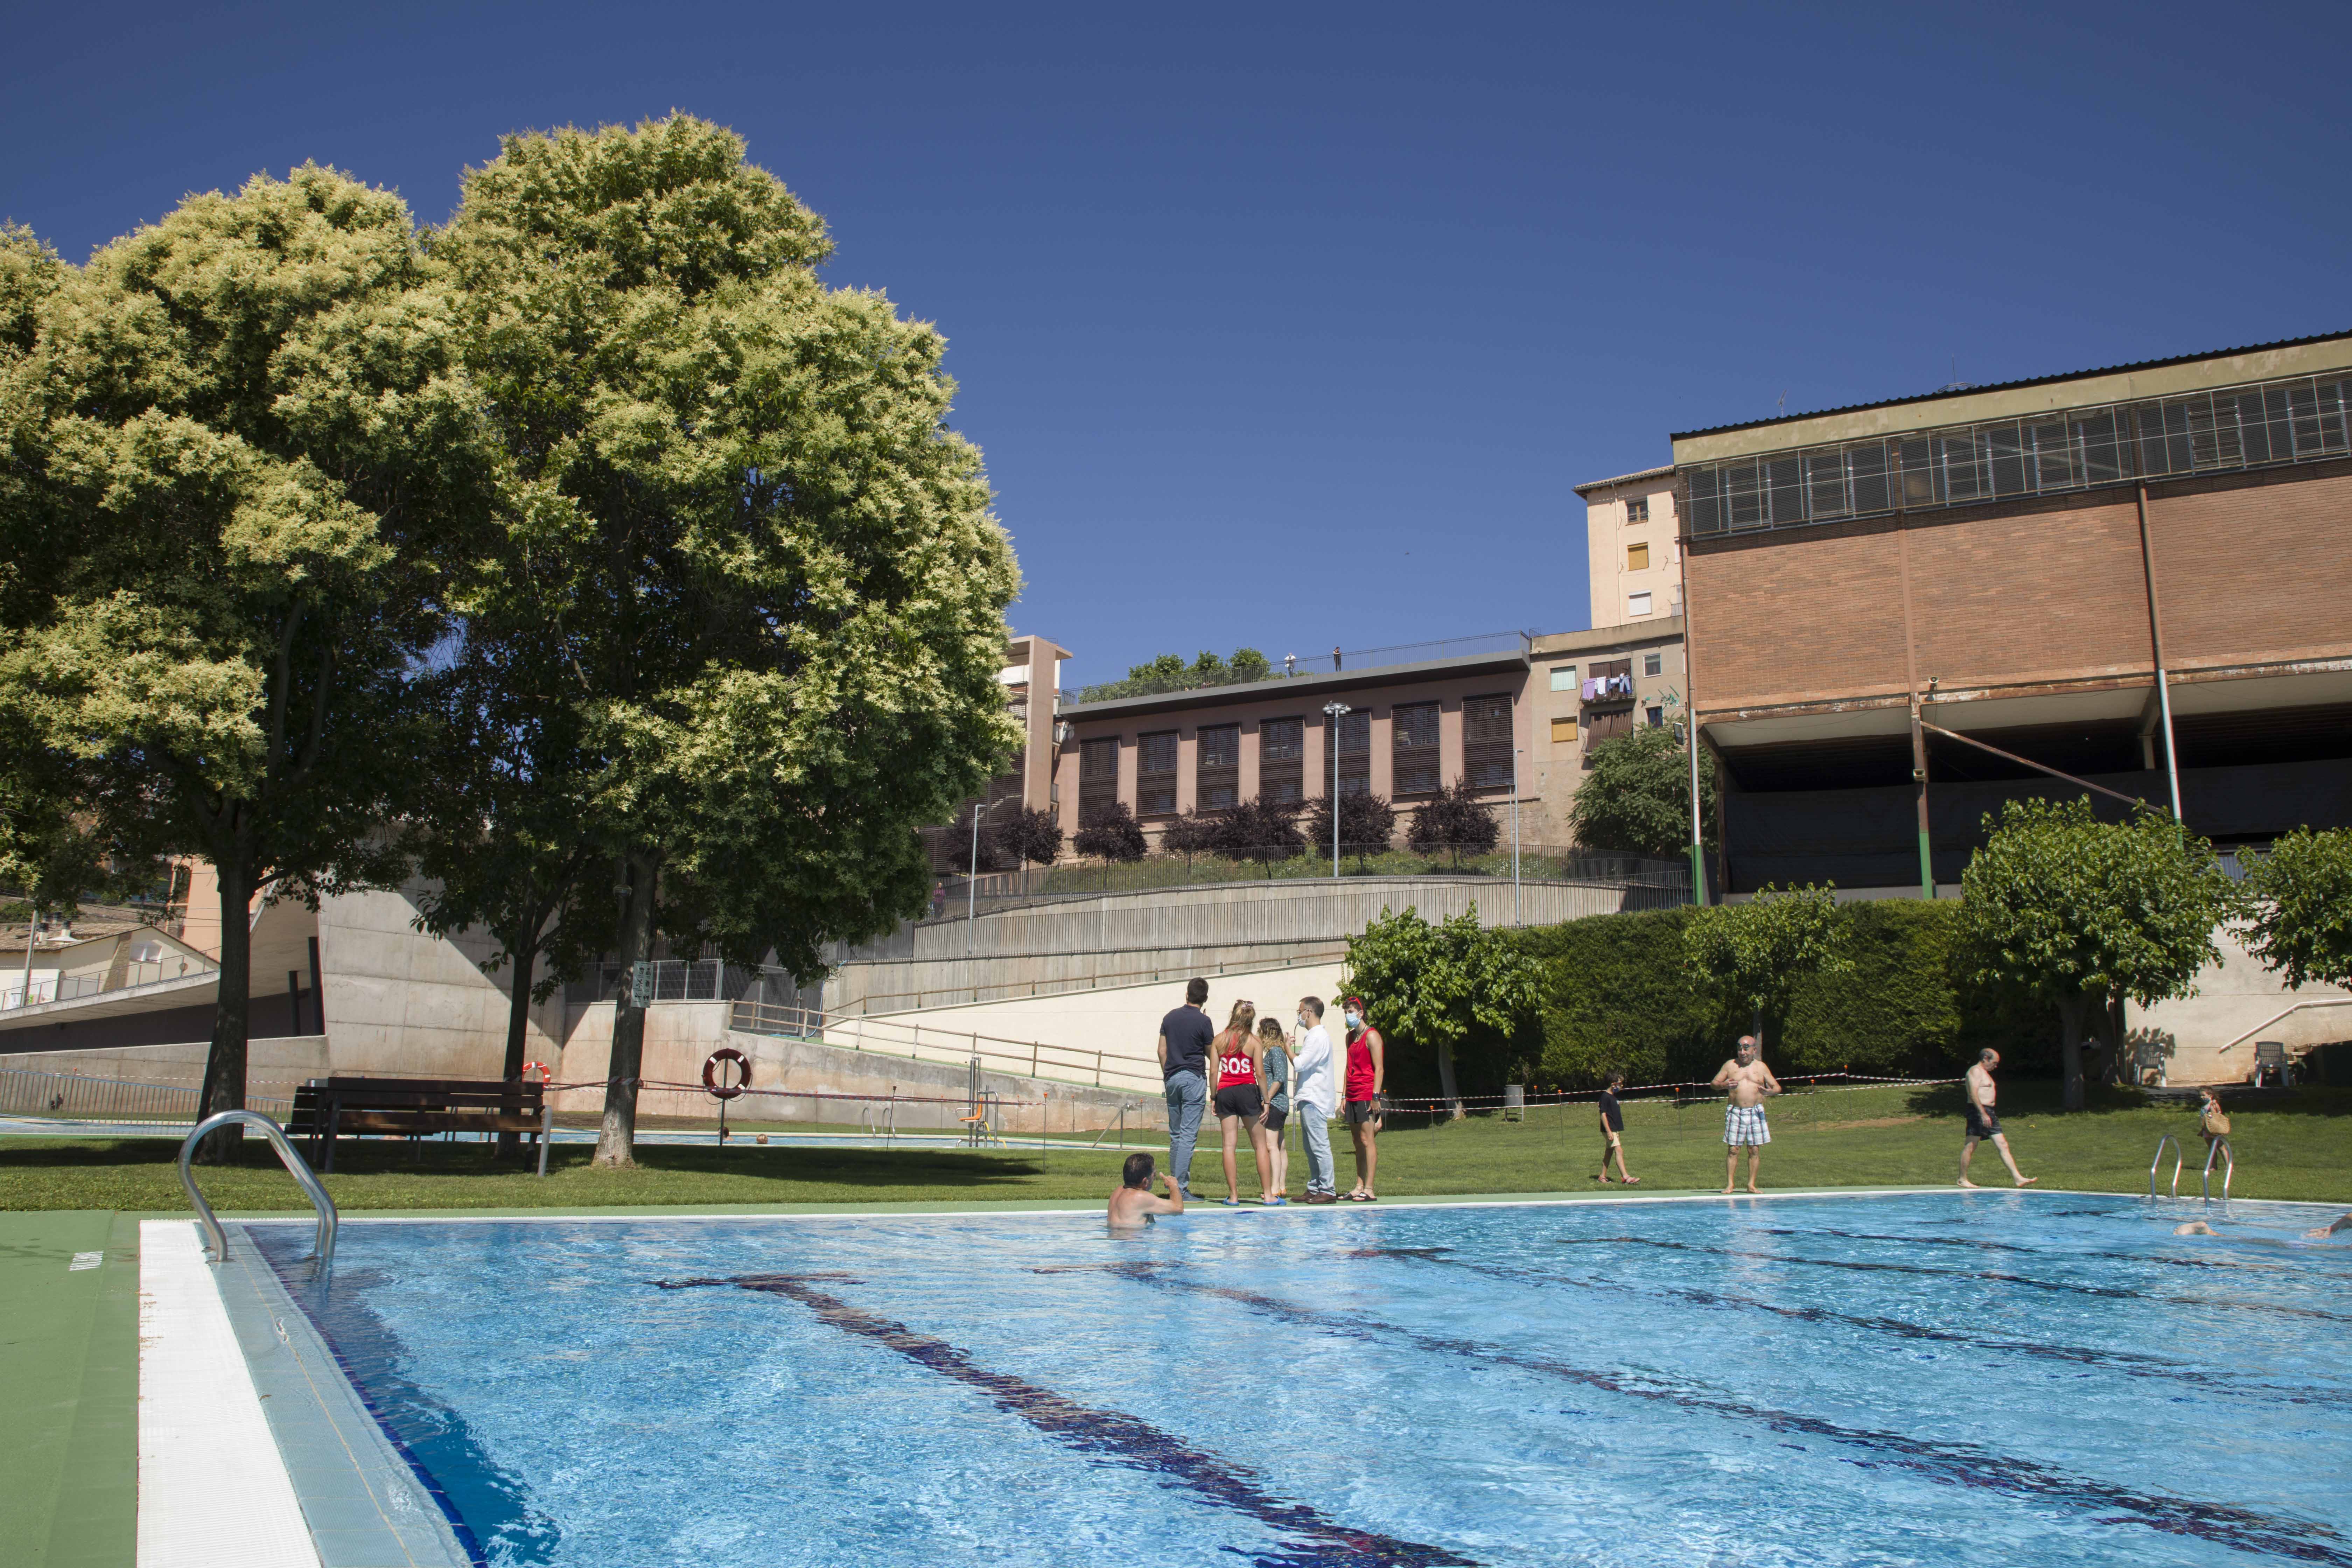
column 1990, row 1377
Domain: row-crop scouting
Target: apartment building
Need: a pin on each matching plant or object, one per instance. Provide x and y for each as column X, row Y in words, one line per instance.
column 2137, row 575
column 1516, row 719
column 1633, row 547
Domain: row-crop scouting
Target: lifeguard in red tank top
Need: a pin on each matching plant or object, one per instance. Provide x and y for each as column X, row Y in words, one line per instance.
column 1234, row 1064
column 1359, row 1065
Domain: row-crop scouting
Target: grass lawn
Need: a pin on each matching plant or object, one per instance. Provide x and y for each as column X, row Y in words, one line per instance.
column 2290, row 1147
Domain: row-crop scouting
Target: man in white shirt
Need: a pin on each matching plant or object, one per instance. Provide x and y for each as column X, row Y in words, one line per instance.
column 1317, row 1099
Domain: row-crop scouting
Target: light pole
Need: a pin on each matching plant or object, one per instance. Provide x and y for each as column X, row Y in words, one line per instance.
column 1334, row 711
column 1516, row 918
column 971, row 883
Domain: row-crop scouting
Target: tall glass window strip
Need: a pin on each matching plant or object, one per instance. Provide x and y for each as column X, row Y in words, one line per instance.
column 1097, row 778
column 1412, row 749
column 1217, row 769
column 1155, row 774
column 1281, row 759
column 1486, row 741
column 2299, row 421
column 1352, row 745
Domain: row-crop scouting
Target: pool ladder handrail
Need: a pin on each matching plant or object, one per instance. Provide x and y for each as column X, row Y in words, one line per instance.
column 2229, row 1169
column 322, row 1248
column 2178, row 1156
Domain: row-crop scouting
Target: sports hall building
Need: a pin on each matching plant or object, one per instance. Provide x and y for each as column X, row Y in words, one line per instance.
column 2138, row 577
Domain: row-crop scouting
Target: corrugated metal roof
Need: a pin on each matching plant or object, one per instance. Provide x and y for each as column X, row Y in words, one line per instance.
column 1623, row 479
column 2006, row 386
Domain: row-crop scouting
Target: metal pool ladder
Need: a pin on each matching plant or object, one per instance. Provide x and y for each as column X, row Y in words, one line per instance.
column 323, row 1249
column 2229, row 1169
column 2177, row 1157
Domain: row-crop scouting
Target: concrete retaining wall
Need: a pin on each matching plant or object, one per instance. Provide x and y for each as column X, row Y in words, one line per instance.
column 2210, row 1037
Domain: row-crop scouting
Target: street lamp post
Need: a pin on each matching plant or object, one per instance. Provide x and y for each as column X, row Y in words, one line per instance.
column 1334, row 711
column 1516, row 918
column 972, row 882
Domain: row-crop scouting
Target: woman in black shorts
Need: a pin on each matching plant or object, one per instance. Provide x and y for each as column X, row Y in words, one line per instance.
column 1281, row 1078
column 1234, row 1055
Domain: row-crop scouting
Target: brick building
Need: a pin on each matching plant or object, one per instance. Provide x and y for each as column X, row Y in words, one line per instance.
column 2133, row 574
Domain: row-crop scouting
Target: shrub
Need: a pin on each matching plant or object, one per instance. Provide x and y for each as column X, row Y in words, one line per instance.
column 1112, row 832
column 1367, row 824
column 1025, row 835
column 1453, row 821
column 1259, row 829
column 1189, row 833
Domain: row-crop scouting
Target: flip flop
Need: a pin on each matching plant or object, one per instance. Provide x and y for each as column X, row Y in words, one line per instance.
column 1231, row 1202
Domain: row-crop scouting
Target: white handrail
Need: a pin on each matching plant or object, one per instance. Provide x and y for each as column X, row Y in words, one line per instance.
column 2229, row 1168
column 2299, row 1006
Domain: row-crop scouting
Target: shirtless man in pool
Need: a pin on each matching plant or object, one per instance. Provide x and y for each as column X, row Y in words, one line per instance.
column 1744, row 1127
column 1134, row 1204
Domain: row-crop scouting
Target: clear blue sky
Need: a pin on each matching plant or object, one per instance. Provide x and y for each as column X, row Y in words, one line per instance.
column 1287, row 326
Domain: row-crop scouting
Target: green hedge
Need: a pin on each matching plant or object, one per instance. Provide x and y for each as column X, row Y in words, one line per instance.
column 1615, row 995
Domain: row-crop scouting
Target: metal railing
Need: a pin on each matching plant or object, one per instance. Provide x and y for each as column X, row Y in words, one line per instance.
column 2229, row 1168
column 126, row 1100
column 69, row 987
column 2178, row 1156
column 1280, row 953
column 919, row 1042
column 1305, row 861
column 322, row 1247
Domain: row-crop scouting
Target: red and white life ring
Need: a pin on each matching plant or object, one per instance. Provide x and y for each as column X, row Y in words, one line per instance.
column 710, row 1073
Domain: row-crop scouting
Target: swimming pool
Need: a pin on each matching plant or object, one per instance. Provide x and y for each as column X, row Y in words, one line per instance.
column 1935, row 1378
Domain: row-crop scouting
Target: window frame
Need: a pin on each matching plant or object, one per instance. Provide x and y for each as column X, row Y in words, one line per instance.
column 1149, row 782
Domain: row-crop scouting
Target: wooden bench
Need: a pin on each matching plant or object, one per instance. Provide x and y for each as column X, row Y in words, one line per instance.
column 326, row 1109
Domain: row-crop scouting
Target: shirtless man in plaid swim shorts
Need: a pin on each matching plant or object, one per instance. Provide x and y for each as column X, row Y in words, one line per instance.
column 1744, row 1126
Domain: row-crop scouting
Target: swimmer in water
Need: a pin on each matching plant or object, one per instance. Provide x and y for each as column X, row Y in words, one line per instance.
column 2341, row 1222
column 1134, row 1204
column 2198, row 1228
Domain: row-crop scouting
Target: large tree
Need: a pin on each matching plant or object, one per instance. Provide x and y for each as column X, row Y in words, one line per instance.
column 1367, row 826
column 1455, row 819
column 2082, row 914
column 1437, row 985
column 1755, row 954
column 2299, row 907
column 745, row 527
column 1634, row 799
column 242, row 468
column 1111, row 832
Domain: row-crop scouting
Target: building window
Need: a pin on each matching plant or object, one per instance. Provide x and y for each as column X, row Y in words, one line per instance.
column 1564, row 730
column 1412, row 733
column 1599, row 726
column 1637, row 557
column 1637, row 603
column 1637, row 510
column 1486, row 741
column 1563, row 677
column 1217, row 767
column 1281, row 756
column 1352, row 748
column 1656, row 716
column 1155, row 774
column 1097, row 778
column 1653, row 663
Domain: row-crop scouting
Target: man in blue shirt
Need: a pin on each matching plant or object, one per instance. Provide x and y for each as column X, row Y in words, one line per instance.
column 1184, row 1037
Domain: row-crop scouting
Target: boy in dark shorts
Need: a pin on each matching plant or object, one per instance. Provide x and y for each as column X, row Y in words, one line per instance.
column 1612, row 1131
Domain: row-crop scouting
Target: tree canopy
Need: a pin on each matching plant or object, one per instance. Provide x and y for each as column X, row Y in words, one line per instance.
column 2298, row 904
column 1635, row 797
column 1755, row 954
column 1112, row 832
column 243, row 469
column 2082, row 913
column 1434, row 986
column 1367, row 824
column 1019, row 835
column 1454, row 820
column 1170, row 673
column 740, row 519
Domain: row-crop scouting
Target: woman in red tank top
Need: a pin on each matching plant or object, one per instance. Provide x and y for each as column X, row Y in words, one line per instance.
column 1236, row 1057
column 1367, row 1072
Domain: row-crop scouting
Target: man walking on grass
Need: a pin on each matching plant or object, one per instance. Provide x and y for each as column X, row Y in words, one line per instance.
column 1744, row 1127
column 1984, row 1121
column 1184, row 1035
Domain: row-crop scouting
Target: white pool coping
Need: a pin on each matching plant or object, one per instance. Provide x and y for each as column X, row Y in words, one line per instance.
column 213, row 1487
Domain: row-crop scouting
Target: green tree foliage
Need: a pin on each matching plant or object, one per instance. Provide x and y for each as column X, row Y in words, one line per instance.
column 1170, row 673
column 1635, row 798
column 1453, row 821
column 1754, row 954
column 1367, row 826
column 2082, row 913
column 1188, row 834
column 1111, row 833
column 242, row 470
column 1019, row 835
column 1260, row 829
column 2299, row 904
column 1438, row 987
column 741, row 521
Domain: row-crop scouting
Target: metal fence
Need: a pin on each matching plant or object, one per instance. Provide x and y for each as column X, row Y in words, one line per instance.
column 82, row 1097
column 1668, row 880
column 918, row 1042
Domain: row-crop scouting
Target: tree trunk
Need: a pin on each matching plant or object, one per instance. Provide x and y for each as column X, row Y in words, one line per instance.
column 524, row 953
column 2110, row 1035
column 617, row 1143
column 1756, row 1027
column 225, row 1063
column 1445, row 1082
column 2073, row 1010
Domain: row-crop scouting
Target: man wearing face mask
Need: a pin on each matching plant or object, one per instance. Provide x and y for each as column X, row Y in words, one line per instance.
column 1317, row 1099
